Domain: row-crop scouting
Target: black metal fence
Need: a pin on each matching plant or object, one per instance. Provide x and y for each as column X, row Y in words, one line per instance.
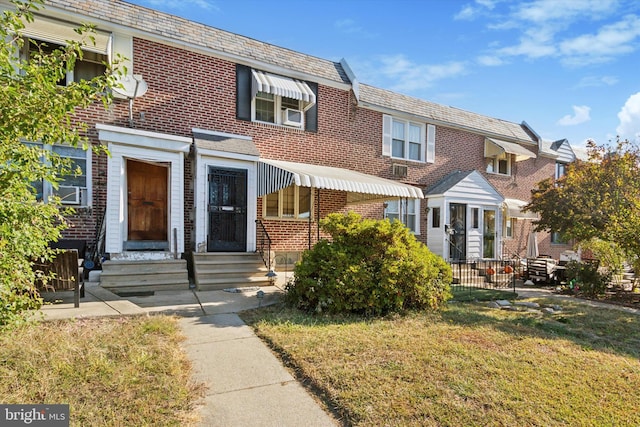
column 485, row 274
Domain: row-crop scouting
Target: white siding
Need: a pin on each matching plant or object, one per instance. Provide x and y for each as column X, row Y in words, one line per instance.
column 474, row 188
column 436, row 236
column 565, row 153
column 474, row 235
column 476, row 192
column 126, row 144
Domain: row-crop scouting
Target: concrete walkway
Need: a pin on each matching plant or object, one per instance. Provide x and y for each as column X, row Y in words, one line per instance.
column 246, row 384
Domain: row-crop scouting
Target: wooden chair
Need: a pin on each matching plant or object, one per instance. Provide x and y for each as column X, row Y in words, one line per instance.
column 68, row 274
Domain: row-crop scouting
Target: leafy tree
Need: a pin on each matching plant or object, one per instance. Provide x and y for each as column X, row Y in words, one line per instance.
column 34, row 108
column 598, row 198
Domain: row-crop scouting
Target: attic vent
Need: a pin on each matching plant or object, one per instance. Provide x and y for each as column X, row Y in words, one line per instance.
column 400, row 171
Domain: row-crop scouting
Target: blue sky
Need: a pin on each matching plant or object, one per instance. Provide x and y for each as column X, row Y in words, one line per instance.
column 569, row 68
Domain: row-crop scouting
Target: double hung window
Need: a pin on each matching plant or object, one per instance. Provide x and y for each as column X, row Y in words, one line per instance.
column 408, row 140
column 405, row 211
column 561, row 170
column 73, row 188
column 500, row 164
column 275, row 109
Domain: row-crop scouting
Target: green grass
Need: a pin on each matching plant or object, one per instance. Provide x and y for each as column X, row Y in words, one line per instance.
column 126, row 371
column 469, row 365
column 476, row 294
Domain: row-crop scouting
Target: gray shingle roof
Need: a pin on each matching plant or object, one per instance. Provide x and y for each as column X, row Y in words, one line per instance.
column 241, row 48
column 225, row 144
column 182, row 30
column 445, row 115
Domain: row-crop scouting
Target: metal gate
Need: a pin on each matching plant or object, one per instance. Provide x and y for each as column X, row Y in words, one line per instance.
column 227, row 209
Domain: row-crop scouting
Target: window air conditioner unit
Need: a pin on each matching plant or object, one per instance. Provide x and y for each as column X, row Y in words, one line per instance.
column 400, row 171
column 69, row 195
column 291, row 117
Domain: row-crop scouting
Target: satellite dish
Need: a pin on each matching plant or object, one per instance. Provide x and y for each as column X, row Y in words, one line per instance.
column 130, row 86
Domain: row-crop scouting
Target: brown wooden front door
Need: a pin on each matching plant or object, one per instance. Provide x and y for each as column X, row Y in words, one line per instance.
column 147, row 190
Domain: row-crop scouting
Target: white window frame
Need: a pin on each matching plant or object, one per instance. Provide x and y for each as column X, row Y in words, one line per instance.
column 561, row 169
column 296, row 200
column 493, row 164
column 509, row 225
column 426, row 139
column 85, row 191
column 278, row 111
column 28, row 47
column 402, row 210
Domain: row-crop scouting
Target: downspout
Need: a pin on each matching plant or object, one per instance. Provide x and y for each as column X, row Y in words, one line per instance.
column 318, row 215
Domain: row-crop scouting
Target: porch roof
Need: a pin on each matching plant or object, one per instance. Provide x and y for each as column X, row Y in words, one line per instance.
column 274, row 175
column 514, row 209
column 495, row 147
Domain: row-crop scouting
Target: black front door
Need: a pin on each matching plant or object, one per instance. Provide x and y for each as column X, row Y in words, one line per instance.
column 457, row 231
column 227, row 210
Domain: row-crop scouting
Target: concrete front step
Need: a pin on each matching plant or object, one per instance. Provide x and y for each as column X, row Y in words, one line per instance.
column 221, row 270
column 224, row 283
column 166, row 274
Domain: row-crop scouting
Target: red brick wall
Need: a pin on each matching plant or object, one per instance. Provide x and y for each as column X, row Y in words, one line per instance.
column 190, row 90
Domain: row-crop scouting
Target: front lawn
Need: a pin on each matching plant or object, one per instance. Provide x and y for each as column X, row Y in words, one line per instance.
column 125, row 371
column 469, row 365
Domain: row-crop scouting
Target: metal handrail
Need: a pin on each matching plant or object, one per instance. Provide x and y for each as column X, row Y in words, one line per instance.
column 262, row 240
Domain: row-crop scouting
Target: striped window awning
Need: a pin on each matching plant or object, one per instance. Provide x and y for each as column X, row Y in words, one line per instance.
column 61, row 32
column 281, row 86
column 495, row 147
column 274, row 175
column 514, row 209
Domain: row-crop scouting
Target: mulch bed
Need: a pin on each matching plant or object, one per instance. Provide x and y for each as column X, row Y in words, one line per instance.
column 627, row 299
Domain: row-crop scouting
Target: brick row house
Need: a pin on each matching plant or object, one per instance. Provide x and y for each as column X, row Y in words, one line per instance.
column 218, row 140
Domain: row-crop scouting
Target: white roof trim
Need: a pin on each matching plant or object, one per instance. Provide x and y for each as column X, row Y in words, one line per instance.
column 274, row 175
column 141, row 138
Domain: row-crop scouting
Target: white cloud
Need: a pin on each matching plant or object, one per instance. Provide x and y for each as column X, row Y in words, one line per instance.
column 405, row 76
column 350, row 26
column 580, row 115
column 609, row 41
column 470, row 11
column 597, row 81
column 629, row 115
column 490, row 60
column 543, row 11
column 569, row 30
column 467, row 13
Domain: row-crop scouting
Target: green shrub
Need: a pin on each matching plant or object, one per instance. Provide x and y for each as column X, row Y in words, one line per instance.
column 584, row 277
column 369, row 267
